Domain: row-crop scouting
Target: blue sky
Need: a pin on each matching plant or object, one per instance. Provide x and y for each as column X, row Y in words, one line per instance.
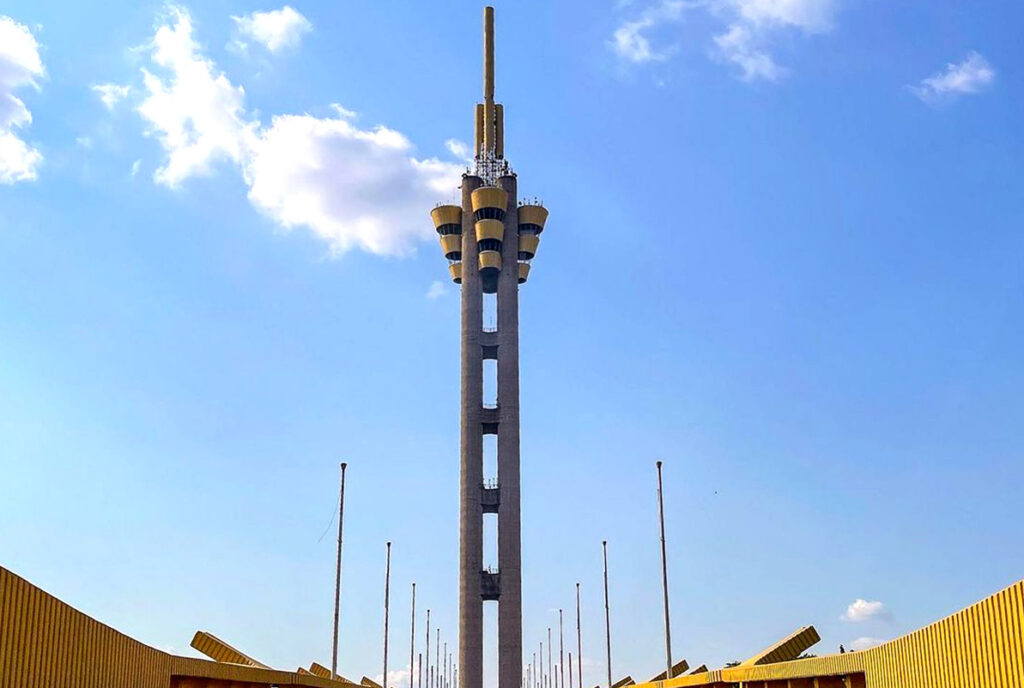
column 784, row 255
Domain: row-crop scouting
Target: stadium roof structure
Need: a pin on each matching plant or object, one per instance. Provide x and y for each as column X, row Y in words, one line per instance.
column 45, row 643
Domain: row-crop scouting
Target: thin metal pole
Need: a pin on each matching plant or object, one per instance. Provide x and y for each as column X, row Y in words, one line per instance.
column 437, row 659
column 570, row 668
column 428, row 648
column 387, row 608
column 550, row 672
column 664, row 577
column 419, row 670
column 607, row 613
column 412, row 635
column 543, row 678
column 561, row 650
column 337, row 574
column 444, row 667
column 535, row 670
column 579, row 640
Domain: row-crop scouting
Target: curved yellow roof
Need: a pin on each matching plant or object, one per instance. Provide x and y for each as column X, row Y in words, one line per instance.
column 489, row 197
column 451, row 243
column 490, row 259
column 490, row 229
column 533, row 215
column 446, row 215
column 528, row 243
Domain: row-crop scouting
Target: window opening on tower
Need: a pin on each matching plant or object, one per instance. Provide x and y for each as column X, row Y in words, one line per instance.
column 490, row 383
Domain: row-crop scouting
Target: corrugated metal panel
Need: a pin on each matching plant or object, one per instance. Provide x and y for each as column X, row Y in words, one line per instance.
column 979, row 647
column 320, row 670
column 678, row 669
column 219, row 651
column 45, row 643
column 787, row 649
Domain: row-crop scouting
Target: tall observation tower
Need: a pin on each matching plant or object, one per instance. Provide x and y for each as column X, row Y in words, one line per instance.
column 489, row 242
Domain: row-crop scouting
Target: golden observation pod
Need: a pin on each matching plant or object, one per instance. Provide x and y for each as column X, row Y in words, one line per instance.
column 451, row 246
column 490, row 260
column 448, row 223
column 524, row 272
column 532, row 219
column 490, row 229
column 456, row 271
column 489, row 203
column 490, row 268
column 444, row 215
column 528, row 246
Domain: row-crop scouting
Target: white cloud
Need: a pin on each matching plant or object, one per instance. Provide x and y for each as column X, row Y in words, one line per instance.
column 20, row 65
column 437, row 290
column 751, row 27
column 812, row 16
column 111, row 94
column 630, row 41
column 972, row 75
column 460, row 149
column 274, row 30
column 197, row 114
column 353, row 187
column 135, row 168
column 863, row 610
column 865, row 643
column 344, row 112
column 84, row 141
column 739, row 45
column 397, row 677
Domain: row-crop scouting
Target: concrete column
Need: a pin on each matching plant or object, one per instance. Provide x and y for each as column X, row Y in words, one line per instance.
column 470, row 509
column 510, row 627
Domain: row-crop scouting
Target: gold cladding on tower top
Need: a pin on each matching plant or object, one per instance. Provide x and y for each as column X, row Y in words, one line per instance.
column 489, row 203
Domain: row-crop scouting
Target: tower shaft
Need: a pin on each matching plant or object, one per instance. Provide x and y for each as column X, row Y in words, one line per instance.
column 489, row 240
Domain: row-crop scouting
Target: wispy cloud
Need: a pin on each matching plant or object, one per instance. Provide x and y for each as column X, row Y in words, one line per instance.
column 630, row 40
column 397, row 677
column 353, row 187
column 437, row 290
column 111, row 94
column 20, row 66
column 863, row 610
column 274, row 30
column 741, row 46
column 973, row 75
column 865, row 643
column 460, row 149
column 751, row 29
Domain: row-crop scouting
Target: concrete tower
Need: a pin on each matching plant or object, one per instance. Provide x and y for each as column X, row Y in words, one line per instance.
column 489, row 242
